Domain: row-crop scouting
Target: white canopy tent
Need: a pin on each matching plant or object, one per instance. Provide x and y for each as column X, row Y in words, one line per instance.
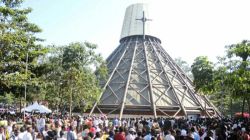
column 37, row 108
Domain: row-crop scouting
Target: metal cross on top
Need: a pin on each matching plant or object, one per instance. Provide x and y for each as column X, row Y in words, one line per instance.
column 144, row 19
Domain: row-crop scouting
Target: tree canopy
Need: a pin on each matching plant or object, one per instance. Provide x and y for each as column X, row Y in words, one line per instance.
column 228, row 78
column 18, row 49
column 65, row 76
column 71, row 75
column 239, row 80
column 202, row 70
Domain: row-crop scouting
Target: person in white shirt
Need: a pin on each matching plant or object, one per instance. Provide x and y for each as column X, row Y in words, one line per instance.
column 9, row 128
column 184, row 132
column 150, row 123
column 124, row 122
column 172, row 122
column 116, row 122
column 131, row 135
column 148, row 137
column 96, row 122
column 2, row 135
column 21, row 134
column 195, row 133
column 106, row 122
column 38, row 123
column 45, row 131
column 71, row 135
column 42, row 123
column 100, row 121
column 169, row 136
column 14, row 136
column 28, row 135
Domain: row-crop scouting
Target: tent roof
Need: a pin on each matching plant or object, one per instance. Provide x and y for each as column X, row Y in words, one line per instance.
column 36, row 107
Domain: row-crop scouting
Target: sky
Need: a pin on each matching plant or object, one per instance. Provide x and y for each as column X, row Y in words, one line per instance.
column 187, row 28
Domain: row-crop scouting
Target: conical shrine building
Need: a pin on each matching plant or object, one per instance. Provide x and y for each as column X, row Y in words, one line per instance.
column 143, row 79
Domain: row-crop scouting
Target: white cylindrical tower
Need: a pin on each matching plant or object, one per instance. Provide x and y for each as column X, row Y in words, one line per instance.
column 133, row 24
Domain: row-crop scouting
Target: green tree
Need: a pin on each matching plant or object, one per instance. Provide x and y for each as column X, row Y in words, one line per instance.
column 52, row 73
column 71, row 79
column 228, row 80
column 8, row 98
column 221, row 93
column 202, row 70
column 18, row 49
column 240, row 76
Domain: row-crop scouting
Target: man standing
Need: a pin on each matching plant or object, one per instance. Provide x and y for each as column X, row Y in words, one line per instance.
column 2, row 135
column 42, row 124
column 14, row 136
column 131, row 134
column 196, row 135
column 71, row 135
column 120, row 135
column 28, row 134
column 21, row 134
column 170, row 135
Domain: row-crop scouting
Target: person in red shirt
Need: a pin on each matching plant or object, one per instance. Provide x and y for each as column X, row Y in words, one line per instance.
column 120, row 135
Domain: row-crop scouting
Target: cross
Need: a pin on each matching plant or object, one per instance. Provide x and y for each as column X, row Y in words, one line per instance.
column 144, row 19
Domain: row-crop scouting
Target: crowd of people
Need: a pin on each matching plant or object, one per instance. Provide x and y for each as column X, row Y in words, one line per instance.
column 53, row 127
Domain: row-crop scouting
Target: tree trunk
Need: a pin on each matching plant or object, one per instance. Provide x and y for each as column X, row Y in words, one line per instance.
column 231, row 107
column 61, row 105
column 20, row 105
column 248, row 103
column 70, row 103
column 243, row 107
